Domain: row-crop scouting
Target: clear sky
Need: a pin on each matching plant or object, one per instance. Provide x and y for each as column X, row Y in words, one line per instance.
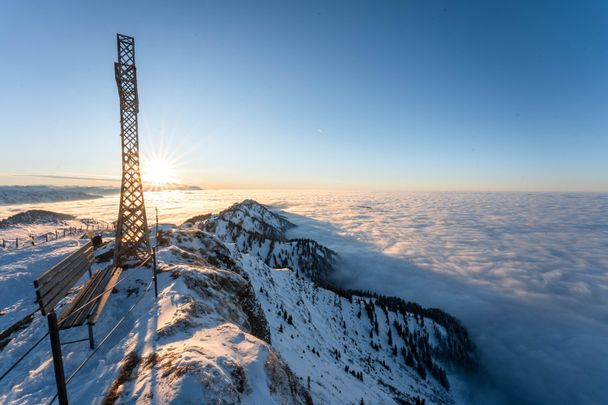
column 441, row 95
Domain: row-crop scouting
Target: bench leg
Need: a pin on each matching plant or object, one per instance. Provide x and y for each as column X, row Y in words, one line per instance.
column 62, row 392
column 91, row 340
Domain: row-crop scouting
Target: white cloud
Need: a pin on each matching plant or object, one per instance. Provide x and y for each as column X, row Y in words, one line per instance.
column 527, row 273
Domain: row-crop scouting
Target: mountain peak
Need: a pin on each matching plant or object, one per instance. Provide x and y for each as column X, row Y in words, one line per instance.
column 246, row 315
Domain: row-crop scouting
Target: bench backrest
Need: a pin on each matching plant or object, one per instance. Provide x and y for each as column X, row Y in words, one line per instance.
column 55, row 284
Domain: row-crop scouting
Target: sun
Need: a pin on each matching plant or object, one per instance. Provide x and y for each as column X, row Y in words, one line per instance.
column 158, row 172
column 160, row 166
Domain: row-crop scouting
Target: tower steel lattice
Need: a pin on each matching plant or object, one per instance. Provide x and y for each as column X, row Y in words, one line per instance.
column 132, row 237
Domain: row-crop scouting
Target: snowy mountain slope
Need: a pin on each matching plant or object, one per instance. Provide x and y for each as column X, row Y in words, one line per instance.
column 254, row 229
column 341, row 340
column 203, row 348
column 251, row 218
column 33, row 217
column 197, row 343
column 32, row 225
column 232, row 324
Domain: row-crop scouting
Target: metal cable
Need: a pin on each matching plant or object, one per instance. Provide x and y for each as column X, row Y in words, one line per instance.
column 102, row 293
column 34, row 237
column 20, row 320
column 59, row 325
column 80, row 308
column 104, row 339
column 23, row 356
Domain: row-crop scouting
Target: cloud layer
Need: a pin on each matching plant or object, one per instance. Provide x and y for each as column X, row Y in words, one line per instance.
column 526, row 273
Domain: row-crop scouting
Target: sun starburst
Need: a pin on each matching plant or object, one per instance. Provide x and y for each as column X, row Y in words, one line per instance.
column 159, row 167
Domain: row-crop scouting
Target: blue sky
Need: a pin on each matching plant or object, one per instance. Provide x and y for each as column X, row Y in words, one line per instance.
column 441, row 95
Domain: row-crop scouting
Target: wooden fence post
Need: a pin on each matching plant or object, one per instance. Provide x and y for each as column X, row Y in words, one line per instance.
column 46, row 236
column 155, row 272
column 56, row 234
column 16, row 243
column 3, row 244
column 154, row 250
column 62, row 393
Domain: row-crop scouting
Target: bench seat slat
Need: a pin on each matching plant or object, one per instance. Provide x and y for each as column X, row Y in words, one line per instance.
column 62, row 270
column 70, row 276
column 48, row 301
column 58, row 271
column 96, row 290
column 102, row 282
column 52, row 272
column 69, row 318
column 104, row 298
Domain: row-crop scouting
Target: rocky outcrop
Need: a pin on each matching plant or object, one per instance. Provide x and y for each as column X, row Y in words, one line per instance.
column 381, row 348
column 32, row 217
column 256, row 230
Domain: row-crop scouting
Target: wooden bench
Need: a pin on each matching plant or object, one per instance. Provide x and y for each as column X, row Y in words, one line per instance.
column 88, row 304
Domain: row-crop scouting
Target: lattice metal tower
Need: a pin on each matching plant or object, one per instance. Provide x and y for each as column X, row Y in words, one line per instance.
column 132, row 237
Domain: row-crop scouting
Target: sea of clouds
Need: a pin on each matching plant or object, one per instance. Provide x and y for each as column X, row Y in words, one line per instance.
column 527, row 273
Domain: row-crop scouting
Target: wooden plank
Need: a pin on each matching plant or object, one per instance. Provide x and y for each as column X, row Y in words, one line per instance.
column 48, row 301
column 67, row 274
column 64, row 273
column 60, row 270
column 99, row 289
column 54, row 289
column 49, row 274
column 104, row 299
column 68, row 317
column 92, row 288
column 83, row 298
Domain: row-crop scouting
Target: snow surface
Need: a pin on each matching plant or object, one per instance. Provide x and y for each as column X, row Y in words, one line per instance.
column 35, row 227
column 19, row 268
column 192, row 345
column 326, row 333
column 217, row 334
column 526, row 272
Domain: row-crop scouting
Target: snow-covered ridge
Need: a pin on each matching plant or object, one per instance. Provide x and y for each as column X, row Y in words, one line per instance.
column 205, row 340
column 256, row 230
column 249, row 217
column 33, row 217
column 233, row 325
column 432, row 340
